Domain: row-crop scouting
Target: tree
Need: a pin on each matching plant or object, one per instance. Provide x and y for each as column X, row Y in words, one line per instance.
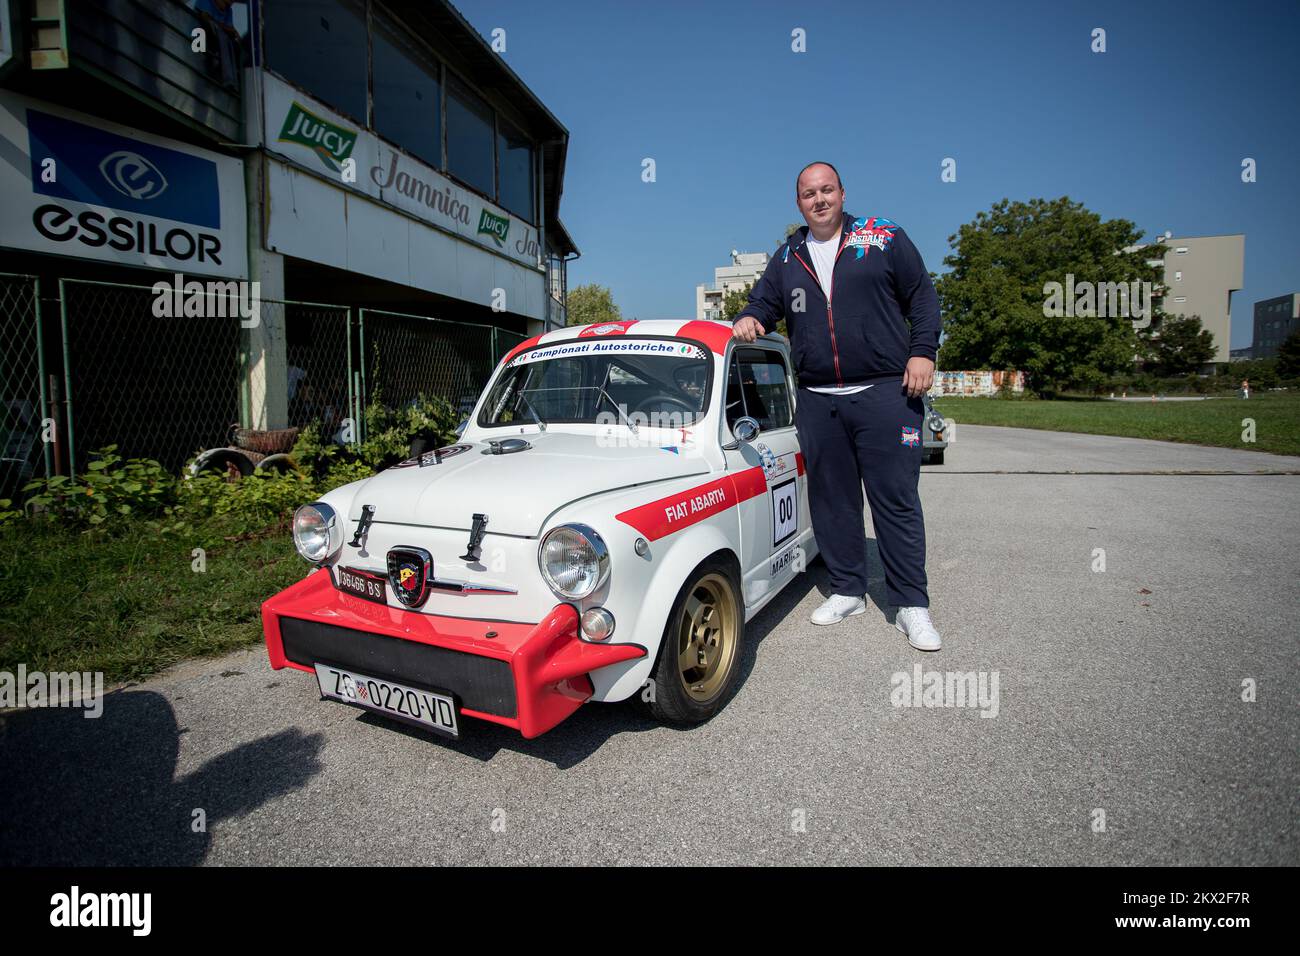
column 790, row 229
column 995, row 298
column 733, row 303
column 1176, row 346
column 1288, row 356
column 733, row 307
column 592, row 303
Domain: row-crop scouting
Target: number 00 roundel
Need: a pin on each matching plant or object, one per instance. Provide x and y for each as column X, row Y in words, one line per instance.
column 785, row 511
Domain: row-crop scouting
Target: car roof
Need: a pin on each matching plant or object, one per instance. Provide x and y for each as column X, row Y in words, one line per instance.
column 714, row 333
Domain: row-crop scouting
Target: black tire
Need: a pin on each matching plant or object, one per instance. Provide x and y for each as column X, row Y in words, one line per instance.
column 216, row 460
column 672, row 700
column 280, row 464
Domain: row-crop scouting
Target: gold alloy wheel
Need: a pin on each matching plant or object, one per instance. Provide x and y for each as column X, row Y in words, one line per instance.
column 706, row 637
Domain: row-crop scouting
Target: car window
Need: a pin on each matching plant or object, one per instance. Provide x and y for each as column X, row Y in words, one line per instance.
column 655, row 382
column 757, row 386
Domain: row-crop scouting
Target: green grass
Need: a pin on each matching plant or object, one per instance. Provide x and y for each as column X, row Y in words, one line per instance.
column 1215, row 421
column 131, row 604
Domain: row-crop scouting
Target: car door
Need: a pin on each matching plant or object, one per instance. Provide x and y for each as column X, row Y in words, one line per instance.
column 774, row 523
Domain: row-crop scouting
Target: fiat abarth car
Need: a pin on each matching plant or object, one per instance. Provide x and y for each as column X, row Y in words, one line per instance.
column 622, row 500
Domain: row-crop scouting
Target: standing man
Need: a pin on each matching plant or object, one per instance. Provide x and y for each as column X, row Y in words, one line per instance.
column 864, row 329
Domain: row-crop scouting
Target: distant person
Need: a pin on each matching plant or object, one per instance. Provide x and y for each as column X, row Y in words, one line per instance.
column 862, row 373
column 220, row 17
column 1245, row 388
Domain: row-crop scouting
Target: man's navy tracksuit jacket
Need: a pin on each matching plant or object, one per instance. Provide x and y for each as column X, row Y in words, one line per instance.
column 880, row 311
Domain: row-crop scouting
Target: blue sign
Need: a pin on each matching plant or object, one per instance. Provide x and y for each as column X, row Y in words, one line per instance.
column 104, row 169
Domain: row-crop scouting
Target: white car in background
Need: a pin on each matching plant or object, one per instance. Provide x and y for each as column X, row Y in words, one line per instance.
column 623, row 498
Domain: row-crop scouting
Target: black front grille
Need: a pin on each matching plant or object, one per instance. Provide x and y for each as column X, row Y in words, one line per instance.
column 480, row 683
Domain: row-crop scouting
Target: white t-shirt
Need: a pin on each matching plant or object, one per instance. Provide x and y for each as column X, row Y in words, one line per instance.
column 823, row 258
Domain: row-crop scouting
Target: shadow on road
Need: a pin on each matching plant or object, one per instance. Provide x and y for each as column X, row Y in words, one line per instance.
column 587, row 730
column 79, row 792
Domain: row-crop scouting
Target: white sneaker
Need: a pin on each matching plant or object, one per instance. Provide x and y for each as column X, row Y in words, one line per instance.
column 916, row 624
column 837, row 608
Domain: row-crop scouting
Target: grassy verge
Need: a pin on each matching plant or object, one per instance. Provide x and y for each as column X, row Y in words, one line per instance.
column 1215, row 421
column 131, row 603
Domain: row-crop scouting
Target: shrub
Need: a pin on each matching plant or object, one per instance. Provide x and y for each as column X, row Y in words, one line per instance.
column 260, row 501
column 389, row 432
column 110, row 489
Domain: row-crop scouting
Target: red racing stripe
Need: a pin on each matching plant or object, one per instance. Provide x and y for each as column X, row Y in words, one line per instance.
column 713, row 334
column 798, row 460
column 667, row 515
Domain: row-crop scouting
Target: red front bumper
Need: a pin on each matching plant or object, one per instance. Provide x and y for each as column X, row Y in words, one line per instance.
column 548, row 663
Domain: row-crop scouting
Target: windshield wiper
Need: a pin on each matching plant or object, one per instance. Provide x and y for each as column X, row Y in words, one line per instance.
column 531, row 411
column 618, row 408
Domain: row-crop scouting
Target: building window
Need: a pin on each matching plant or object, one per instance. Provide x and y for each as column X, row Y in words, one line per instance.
column 1180, row 298
column 515, row 168
column 320, row 45
column 1181, row 251
column 1178, row 277
column 408, row 110
column 469, row 137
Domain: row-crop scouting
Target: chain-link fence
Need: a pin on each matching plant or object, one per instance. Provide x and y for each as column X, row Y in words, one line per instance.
column 404, row 356
column 23, row 451
column 163, row 374
column 320, row 381
column 157, row 386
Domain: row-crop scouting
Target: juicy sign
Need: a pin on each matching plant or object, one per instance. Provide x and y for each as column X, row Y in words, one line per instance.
column 332, row 144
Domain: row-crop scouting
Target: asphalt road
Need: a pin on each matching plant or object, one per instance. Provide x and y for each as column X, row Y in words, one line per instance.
column 1118, row 691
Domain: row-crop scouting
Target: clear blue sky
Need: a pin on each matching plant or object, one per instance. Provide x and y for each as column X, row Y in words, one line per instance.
column 1153, row 130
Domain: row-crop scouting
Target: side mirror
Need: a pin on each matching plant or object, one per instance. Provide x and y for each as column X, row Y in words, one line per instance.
column 460, row 429
column 745, row 429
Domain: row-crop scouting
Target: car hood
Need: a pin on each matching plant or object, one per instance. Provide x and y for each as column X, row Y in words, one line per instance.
column 518, row 490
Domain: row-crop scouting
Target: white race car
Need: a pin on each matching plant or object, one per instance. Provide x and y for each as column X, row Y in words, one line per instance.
column 623, row 498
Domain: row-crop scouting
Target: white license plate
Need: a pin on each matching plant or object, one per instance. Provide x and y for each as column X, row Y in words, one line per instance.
column 436, row 711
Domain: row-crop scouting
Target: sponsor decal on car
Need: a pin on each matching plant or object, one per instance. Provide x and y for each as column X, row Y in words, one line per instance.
column 670, row 514
column 607, row 328
column 620, row 347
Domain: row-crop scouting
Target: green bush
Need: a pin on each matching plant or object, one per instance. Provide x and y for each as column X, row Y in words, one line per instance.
column 262, row 500
column 389, row 432
column 343, row 473
column 110, row 489
column 315, row 454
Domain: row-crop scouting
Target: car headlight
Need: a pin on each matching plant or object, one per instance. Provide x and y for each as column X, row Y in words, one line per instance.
column 574, row 560
column 316, row 532
column 936, row 424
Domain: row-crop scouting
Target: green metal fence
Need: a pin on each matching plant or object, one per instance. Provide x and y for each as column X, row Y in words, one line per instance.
column 157, row 386
column 25, row 451
column 114, row 365
column 405, row 355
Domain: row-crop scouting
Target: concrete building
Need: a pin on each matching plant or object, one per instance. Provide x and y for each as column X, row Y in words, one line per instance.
column 375, row 168
column 745, row 269
column 1242, row 355
column 1200, row 275
column 1275, row 319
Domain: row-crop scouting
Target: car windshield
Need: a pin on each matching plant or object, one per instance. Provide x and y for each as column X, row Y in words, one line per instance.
column 638, row 382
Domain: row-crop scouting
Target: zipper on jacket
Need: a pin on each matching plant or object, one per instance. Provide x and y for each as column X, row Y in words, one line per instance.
column 830, row 318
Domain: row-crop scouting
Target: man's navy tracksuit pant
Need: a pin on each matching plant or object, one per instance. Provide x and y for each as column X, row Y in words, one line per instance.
column 871, row 438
